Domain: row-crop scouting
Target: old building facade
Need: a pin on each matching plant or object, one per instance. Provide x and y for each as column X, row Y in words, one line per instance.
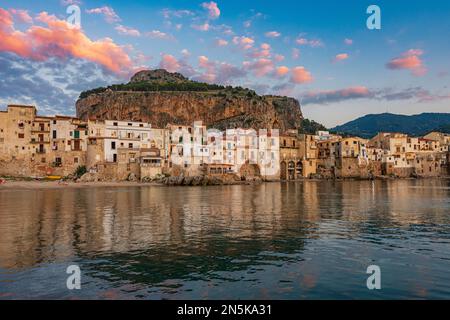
column 40, row 146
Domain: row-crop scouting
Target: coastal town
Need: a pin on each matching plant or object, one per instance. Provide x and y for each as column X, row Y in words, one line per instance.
column 58, row 147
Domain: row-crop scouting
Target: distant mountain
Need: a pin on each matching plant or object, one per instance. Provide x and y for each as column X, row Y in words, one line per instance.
column 415, row 125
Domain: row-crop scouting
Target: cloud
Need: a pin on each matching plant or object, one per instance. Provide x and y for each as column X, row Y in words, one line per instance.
column 22, row 15
column 340, row 57
column 156, row 34
column 108, row 13
column 218, row 72
column 313, row 43
column 263, row 52
column 201, row 27
column 284, row 89
column 243, row 42
column 221, row 42
column 167, row 13
column 281, row 71
column 248, row 23
column 278, row 57
column 260, row 67
column 417, row 94
column 409, row 60
column 295, row 53
column 272, row 34
column 213, row 9
column 127, row 31
column 348, row 41
column 61, row 40
column 329, row 96
column 66, row 3
column 52, row 85
column 300, row 75
column 170, row 63
column 185, row 53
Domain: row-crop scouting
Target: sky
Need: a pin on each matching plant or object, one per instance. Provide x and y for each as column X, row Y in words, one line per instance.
column 319, row 52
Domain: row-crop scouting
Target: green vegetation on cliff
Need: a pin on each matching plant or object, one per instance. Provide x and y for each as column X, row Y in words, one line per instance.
column 145, row 86
column 311, row 127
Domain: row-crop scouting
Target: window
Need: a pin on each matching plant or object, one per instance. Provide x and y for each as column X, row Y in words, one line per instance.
column 115, row 124
column 54, row 134
column 21, row 135
column 113, row 145
column 130, row 146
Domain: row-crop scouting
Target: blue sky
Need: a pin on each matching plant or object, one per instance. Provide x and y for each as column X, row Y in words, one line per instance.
column 320, row 52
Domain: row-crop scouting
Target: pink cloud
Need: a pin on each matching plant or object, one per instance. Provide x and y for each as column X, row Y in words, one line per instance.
column 220, row 72
column 313, row 43
column 281, row 71
column 264, row 52
column 22, row 15
column 213, row 9
column 127, row 31
column 243, row 42
column 61, row 40
column 108, row 12
column 221, row 42
column 272, row 34
column 156, row 34
column 170, row 63
column 201, row 27
column 260, row 67
column 329, row 96
column 348, row 41
column 278, row 57
column 340, row 57
column 300, row 75
column 409, row 60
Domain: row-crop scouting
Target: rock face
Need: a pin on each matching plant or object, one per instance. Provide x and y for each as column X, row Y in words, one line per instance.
column 217, row 106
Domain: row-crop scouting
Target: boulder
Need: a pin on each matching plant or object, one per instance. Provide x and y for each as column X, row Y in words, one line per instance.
column 132, row 177
column 89, row 177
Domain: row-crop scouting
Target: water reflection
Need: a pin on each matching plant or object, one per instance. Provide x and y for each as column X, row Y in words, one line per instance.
column 286, row 240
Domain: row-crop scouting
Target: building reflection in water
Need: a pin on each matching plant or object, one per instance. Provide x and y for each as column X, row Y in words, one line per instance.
column 191, row 232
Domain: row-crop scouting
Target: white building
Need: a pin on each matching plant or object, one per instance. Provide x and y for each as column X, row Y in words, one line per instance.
column 125, row 134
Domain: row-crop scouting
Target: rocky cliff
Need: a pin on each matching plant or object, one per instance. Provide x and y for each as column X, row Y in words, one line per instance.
column 160, row 97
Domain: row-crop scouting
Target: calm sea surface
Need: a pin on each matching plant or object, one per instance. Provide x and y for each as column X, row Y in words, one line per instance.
column 302, row 240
